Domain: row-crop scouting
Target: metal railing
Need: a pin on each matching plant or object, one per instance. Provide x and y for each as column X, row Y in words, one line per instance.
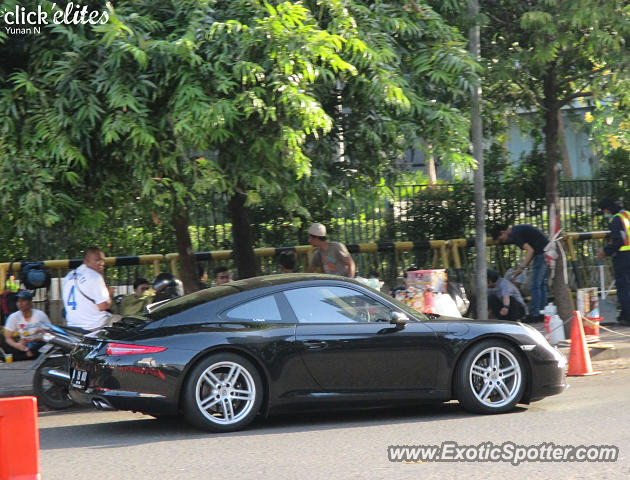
column 390, row 219
column 406, row 213
column 390, row 259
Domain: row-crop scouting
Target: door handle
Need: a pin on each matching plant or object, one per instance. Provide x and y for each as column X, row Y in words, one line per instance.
column 314, row 344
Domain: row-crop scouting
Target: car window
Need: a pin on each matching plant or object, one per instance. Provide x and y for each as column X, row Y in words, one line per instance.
column 263, row 309
column 327, row 304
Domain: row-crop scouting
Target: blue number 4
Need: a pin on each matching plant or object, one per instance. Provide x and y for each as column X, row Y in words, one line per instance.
column 72, row 301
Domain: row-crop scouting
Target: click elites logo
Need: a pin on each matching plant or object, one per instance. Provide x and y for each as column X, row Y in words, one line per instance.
column 20, row 21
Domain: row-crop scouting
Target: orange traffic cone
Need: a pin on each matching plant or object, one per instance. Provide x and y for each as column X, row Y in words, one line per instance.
column 579, row 358
column 19, row 439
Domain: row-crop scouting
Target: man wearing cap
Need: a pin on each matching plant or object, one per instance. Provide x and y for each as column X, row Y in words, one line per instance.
column 22, row 323
column 85, row 295
column 331, row 257
column 618, row 248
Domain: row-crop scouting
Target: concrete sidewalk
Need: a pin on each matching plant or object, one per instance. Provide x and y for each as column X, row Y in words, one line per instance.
column 16, row 379
column 614, row 338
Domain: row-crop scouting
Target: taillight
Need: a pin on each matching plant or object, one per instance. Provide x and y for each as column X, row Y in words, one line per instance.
column 128, row 349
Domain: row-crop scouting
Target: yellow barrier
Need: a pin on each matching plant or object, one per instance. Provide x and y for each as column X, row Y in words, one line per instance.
column 438, row 246
column 62, row 265
column 443, row 250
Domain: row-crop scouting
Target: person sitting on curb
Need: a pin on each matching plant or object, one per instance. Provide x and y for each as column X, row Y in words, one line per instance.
column 504, row 299
column 22, row 323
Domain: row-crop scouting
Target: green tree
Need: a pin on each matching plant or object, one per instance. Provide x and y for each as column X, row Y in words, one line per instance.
column 168, row 101
column 547, row 55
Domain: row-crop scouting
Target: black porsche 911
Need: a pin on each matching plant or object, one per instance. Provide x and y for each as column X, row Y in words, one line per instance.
column 224, row 355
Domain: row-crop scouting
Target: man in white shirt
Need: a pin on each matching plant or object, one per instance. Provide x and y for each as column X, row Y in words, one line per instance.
column 22, row 323
column 85, row 295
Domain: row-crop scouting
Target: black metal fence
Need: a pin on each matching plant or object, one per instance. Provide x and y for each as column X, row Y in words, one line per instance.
column 406, row 211
column 402, row 213
column 414, row 213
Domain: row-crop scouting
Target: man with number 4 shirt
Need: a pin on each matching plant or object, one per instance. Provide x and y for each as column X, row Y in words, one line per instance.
column 85, row 295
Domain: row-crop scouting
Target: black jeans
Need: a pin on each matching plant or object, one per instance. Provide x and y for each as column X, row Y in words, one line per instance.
column 515, row 313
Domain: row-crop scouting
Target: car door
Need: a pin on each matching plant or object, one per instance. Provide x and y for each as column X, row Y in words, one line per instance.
column 348, row 344
column 273, row 343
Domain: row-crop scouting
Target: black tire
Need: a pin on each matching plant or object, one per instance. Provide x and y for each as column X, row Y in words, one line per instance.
column 51, row 392
column 491, row 377
column 223, row 393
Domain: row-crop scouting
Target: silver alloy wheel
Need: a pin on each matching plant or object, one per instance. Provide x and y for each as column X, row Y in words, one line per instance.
column 225, row 392
column 495, row 377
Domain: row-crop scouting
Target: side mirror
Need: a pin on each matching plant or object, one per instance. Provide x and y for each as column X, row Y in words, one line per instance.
column 399, row 319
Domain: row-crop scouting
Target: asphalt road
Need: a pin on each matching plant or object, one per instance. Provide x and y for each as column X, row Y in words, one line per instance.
column 87, row 444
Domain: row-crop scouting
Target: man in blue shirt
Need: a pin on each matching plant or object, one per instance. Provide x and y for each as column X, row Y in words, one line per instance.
column 533, row 241
column 618, row 248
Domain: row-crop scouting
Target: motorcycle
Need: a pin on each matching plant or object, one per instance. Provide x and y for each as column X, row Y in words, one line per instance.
column 51, row 380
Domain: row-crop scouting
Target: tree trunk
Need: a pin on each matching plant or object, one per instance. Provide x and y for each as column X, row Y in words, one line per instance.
column 560, row 289
column 430, row 162
column 188, row 274
column 243, row 252
column 567, row 171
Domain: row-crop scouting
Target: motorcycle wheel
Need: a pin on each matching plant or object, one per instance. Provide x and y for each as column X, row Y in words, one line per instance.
column 52, row 392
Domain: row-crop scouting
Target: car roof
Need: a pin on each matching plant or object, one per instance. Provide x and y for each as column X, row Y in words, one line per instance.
column 281, row 279
column 213, row 293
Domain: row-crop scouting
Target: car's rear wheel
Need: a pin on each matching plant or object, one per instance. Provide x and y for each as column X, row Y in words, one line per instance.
column 491, row 377
column 223, row 393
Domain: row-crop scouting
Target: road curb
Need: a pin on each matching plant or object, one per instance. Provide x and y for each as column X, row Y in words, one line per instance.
column 613, row 344
column 604, row 351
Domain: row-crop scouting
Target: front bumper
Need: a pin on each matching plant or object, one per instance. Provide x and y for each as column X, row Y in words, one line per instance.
column 548, row 372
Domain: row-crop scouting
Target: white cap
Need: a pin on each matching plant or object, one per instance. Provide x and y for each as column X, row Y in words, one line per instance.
column 317, row 230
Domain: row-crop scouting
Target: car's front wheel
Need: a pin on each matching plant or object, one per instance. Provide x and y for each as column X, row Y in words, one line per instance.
column 223, row 393
column 491, row 377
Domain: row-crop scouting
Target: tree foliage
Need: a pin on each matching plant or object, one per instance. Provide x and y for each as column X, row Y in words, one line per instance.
column 169, row 101
column 544, row 56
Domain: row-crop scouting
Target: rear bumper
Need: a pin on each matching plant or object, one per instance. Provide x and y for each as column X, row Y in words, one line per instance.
column 123, row 400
